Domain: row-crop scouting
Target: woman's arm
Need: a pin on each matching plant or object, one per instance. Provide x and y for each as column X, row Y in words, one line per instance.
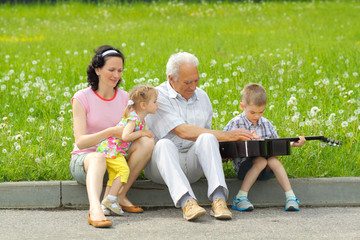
column 84, row 140
column 129, row 135
column 191, row 132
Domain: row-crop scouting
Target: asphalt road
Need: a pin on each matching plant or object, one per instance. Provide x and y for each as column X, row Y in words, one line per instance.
column 167, row 223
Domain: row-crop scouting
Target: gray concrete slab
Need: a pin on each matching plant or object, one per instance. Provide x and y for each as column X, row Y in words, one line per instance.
column 70, row 194
column 30, row 194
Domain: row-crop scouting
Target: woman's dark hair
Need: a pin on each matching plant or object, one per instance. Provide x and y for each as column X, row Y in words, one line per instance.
column 98, row 61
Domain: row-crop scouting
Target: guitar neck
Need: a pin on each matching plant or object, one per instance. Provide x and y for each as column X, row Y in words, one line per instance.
column 321, row 138
column 295, row 139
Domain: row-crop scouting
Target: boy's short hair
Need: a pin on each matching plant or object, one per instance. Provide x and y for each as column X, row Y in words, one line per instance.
column 254, row 94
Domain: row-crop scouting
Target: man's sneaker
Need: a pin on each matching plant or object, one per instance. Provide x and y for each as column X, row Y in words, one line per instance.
column 113, row 206
column 192, row 210
column 220, row 210
column 242, row 204
column 292, row 204
column 105, row 210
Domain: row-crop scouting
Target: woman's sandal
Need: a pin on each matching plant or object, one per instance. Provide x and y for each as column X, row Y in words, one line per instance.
column 132, row 209
column 100, row 223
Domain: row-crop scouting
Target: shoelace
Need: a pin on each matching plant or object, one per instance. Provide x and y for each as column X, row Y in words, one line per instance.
column 240, row 199
column 218, row 202
column 190, row 204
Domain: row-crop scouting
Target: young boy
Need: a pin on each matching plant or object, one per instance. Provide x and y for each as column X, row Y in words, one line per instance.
column 253, row 103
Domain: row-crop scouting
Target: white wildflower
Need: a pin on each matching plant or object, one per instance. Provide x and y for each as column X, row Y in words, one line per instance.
column 344, row 124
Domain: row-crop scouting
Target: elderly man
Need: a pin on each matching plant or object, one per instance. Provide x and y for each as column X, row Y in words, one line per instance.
column 186, row 147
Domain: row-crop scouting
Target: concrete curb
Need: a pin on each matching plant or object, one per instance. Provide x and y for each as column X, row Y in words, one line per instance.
column 319, row 192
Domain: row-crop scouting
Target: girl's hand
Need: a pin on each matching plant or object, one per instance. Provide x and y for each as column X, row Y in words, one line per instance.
column 299, row 143
column 146, row 133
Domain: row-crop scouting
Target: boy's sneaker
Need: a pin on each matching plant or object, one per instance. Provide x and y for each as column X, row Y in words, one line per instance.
column 113, row 206
column 242, row 204
column 292, row 204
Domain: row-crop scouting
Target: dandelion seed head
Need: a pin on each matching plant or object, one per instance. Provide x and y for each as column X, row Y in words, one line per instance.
column 4, row 150
column 294, row 118
column 349, row 134
column 328, row 123
column 344, row 124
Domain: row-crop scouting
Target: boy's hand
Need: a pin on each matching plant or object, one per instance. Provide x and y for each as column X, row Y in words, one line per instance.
column 299, row 143
column 146, row 133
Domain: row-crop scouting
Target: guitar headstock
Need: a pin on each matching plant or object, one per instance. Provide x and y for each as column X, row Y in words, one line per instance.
column 332, row 142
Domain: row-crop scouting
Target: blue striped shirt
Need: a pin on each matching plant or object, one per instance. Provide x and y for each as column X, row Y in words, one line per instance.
column 264, row 129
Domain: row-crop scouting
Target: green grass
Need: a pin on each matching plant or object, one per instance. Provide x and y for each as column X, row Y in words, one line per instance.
column 305, row 51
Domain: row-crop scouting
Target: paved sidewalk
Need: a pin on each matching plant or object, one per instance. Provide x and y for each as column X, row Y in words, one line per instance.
column 318, row 192
column 328, row 223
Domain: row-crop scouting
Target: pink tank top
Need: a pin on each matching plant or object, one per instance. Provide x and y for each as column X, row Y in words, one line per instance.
column 100, row 113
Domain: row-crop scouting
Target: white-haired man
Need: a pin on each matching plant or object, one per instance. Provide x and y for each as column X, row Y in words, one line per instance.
column 186, row 147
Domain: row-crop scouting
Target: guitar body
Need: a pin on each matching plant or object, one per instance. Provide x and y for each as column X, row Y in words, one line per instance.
column 264, row 147
column 254, row 148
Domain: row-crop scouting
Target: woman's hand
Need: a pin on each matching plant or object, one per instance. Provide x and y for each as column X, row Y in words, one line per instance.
column 117, row 131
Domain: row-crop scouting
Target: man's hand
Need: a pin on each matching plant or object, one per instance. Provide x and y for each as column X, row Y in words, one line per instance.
column 241, row 134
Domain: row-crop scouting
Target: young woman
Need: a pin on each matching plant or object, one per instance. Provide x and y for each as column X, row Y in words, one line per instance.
column 96, row 111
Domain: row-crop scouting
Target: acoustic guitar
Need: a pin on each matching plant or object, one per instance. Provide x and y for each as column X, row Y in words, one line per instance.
column 265, row 147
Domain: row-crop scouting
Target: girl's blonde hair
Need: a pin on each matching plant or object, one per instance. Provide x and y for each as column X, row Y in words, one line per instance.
column 139, row 93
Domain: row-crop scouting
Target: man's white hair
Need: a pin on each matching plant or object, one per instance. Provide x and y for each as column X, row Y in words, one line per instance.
column 176, row 60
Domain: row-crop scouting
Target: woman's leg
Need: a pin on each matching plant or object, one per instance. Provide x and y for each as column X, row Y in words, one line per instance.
column 138, row 156
column 95, row 167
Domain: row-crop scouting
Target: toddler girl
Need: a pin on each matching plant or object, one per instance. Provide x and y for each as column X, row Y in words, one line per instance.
column 142, row 101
